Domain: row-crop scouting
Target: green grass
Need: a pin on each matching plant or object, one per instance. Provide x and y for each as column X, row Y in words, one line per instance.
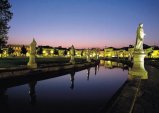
column 15, row 62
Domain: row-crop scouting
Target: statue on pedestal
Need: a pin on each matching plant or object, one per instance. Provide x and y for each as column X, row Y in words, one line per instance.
column 88, row 55
column 138, row 69
column 72, row 53
column 139, row 38
column 32, row 63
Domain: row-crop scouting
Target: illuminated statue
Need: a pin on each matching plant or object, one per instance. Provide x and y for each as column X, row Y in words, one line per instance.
column 139, row 37
column 88, row 55
column 138, row 69
column 72, row 53
column 32, row 63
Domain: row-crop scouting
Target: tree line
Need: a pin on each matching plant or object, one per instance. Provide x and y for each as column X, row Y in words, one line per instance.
column 5, row 17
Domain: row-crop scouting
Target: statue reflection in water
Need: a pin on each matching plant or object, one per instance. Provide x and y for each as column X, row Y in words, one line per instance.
column 72, row 74
column 88, row 72
column 3, row 100
column 32, row 92
column 95, row 70
column 98, row 66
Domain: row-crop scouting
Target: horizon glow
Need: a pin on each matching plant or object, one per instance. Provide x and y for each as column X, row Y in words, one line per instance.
column 83, row 23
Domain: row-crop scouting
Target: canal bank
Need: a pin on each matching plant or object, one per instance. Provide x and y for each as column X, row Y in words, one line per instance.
column 24, row 71
column 137, row 95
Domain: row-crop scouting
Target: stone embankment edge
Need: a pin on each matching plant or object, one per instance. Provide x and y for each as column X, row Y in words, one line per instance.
column 15, row 72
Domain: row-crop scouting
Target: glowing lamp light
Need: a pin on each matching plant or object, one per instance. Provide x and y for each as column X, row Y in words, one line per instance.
column 52, row 51
column 44, row 51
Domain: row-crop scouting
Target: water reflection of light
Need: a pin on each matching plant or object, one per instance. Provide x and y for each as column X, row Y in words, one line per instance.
column 102, row 62
column 56, row 91
column 108, row 64
column 32, row 92
column 114, row 63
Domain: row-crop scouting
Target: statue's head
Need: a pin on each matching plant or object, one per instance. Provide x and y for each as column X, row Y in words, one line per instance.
column 141, row 24
column 72, row 47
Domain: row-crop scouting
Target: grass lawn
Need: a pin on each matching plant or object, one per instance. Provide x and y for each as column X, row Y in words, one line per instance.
column 15, row 62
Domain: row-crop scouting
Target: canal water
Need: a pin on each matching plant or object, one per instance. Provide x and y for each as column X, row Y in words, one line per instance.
column 85, row 91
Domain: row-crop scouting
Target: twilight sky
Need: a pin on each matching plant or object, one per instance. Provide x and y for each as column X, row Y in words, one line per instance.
column 84, row 23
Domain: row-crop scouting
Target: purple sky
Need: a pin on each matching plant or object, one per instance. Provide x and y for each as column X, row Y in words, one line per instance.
column 83, row 23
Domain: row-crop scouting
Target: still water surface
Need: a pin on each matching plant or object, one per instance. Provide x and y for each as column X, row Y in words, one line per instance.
column 86, row 91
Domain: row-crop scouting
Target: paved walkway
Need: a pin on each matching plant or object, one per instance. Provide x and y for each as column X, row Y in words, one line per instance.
column 148, row 96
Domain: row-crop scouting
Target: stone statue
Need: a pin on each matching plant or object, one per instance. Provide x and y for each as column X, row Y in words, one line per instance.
column 32, row 63
column 72, row 53
column 88, row 55
column 139, row 38
column 33, row 47
column 138, row 69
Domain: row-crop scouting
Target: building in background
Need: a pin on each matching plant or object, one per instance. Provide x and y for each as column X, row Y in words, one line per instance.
column 15, row 50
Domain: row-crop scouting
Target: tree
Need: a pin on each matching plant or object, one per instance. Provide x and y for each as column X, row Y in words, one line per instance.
column 82, row 52
column 40, row 51
column 23, row 50
column 65, row 52
column 1, row 51
column 56, row 52
column 10, row 51
column 5, row 17
column 131, row 46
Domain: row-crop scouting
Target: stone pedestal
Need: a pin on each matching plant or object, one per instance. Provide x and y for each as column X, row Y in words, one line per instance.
column 72, row 60
column 88, row 58
column 32, row 63
column 138, row 69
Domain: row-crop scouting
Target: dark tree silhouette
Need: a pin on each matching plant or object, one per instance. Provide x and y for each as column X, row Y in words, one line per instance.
column 65, row 52
column 1, row 51
column 40, row 51
column 10, row 51
column 23, row 50
column 56, row 52
column 131, row 46
column 82, row 53
column 5, row 17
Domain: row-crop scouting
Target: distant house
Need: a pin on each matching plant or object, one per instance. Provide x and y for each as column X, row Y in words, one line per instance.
column 109, row 52
column 47, row 51
column 61, row 51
